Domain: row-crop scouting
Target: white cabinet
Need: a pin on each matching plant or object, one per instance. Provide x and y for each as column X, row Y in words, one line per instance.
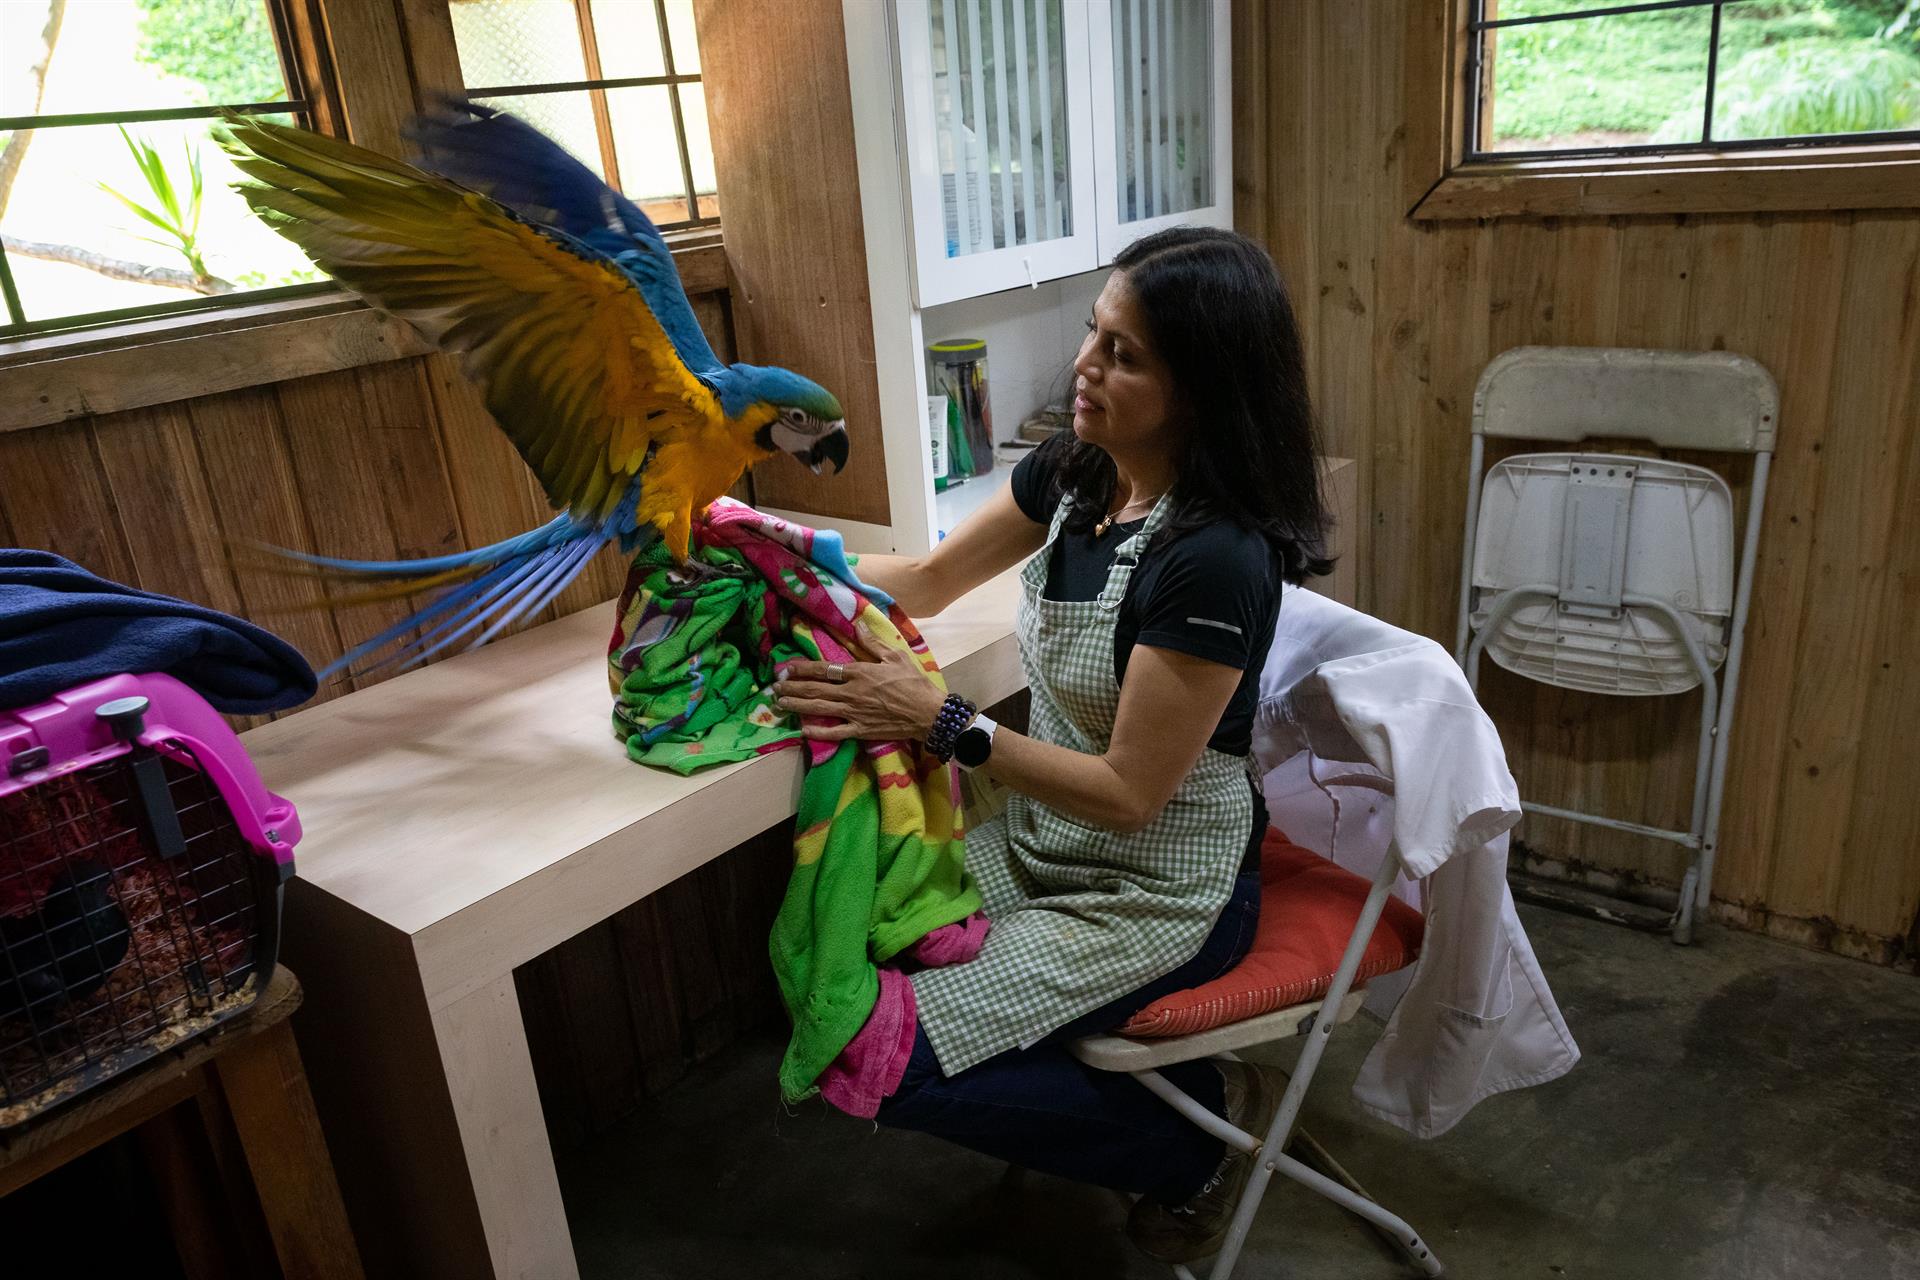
column 1163, row 143
column 1000, row 166
column 1040, row 137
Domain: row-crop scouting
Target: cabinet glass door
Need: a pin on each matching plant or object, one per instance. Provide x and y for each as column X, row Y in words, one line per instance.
column 998, row 99
column 1162, row 133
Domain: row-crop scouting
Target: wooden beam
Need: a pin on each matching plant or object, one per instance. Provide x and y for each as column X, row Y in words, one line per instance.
column 45, row 381
column 783, row 150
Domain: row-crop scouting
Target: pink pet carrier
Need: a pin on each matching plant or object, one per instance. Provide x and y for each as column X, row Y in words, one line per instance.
column 141, row 861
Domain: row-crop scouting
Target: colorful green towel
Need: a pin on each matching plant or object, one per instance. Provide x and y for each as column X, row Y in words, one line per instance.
column 879, row 848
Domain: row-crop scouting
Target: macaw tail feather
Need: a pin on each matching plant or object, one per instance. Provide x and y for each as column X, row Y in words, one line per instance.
column 481, row 592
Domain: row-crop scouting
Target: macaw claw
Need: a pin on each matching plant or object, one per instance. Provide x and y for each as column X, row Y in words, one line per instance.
column 698, row 572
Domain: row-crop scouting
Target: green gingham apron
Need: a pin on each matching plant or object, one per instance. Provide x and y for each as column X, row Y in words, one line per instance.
column 1082, row 916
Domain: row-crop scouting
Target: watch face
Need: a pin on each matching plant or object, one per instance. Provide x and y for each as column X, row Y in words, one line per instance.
column 971, row 748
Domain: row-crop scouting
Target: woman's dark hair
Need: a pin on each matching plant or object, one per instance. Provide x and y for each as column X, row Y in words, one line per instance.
column 1218, row 314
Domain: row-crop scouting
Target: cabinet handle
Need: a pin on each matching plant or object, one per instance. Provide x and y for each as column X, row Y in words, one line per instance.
column 1028, row 264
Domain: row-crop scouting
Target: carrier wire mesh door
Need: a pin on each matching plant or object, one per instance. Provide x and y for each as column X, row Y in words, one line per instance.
column 136, row 908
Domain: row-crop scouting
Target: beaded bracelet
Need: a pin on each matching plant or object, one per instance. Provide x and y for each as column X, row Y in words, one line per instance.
column 956, row 713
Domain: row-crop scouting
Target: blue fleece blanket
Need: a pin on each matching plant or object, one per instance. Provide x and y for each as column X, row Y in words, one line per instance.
column 61, row 626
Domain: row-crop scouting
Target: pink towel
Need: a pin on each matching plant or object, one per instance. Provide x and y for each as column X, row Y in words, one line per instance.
column 870, row 1067
column 954, row 943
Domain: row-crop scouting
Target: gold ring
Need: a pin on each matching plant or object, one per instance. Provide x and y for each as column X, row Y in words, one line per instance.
column 837, row 672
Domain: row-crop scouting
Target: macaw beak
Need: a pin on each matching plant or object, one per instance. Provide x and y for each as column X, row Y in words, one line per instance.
column 830, row 447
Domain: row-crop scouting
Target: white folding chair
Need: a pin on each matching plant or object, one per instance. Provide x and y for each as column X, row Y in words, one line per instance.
column 1613, row 573
column 1335, row 633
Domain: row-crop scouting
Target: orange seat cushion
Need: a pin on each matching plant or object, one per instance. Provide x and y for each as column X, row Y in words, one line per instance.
column 1308, row 906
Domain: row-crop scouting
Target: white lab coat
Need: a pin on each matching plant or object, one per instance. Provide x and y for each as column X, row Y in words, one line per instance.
column 1346, row 700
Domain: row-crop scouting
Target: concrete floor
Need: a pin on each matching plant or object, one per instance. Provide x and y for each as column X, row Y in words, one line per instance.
column 1745, row 1110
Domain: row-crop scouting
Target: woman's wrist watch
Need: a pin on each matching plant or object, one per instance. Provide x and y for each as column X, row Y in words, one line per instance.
column 975, row 743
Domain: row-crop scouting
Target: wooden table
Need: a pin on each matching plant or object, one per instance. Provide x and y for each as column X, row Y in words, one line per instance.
column 251, row 1095
column 460, row 820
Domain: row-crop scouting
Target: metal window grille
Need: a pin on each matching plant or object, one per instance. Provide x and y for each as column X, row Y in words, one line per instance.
column 300, row 103
column 111, row 953
column 1484, row 24
column 521, row 83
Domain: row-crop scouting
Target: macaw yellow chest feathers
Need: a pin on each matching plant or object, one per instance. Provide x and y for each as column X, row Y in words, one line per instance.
column 690, row 469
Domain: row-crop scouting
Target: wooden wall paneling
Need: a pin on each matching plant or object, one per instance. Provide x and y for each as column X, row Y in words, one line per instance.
column 794, row 236
column 156, row 480
column 1807, row 268
column 336, row 446
column 1461, row 346
column 416, row 494
column 489, row 481
column 1656, row 262
column 376, row 90
column 1252, row 72
column 1879, row 889
column 432, row 55
column 1853, row 533
column 1397, row 356
column 1402, row 382
column 257, row 499
column 1291, row 225
column 705, row 1019
column 742, row 897
column 1346, row 201
column 579, row 1034
column 1586, row 255
column 57, row 500
column 650, row 960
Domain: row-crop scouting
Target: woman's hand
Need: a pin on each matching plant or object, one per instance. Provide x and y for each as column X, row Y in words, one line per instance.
column 885, row 698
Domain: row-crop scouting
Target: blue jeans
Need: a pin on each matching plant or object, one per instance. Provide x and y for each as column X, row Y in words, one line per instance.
column 1040, row 1108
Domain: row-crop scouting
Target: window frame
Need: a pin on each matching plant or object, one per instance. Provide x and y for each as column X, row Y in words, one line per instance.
column 596, row 85
column 311, row 97
column 397, row 55
column 1446, row 180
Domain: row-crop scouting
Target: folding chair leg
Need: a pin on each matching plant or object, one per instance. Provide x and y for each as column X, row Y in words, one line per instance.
column 1404, row 1236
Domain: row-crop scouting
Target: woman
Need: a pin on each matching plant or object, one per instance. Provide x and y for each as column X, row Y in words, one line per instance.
column 1125, row 866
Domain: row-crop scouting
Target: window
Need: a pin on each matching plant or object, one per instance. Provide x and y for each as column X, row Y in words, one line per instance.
column 1596, row 107
column 616, row 82
column 114, row 199
column 1559, row 77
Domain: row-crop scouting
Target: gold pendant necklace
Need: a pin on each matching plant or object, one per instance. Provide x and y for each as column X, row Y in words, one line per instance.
column 1100, row 530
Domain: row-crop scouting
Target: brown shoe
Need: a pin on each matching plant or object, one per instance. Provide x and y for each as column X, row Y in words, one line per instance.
column 1197, row 1229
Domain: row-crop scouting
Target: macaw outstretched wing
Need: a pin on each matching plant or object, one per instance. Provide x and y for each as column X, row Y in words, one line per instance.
column 510, row 160
column 576, row 367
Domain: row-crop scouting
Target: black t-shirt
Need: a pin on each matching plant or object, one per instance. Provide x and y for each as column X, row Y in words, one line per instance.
column 1212, row 593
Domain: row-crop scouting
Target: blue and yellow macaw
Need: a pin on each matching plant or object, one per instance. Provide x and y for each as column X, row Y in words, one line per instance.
column 565, row 304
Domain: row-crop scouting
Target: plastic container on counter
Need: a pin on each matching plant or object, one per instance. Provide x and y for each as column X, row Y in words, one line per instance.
column 957, row 369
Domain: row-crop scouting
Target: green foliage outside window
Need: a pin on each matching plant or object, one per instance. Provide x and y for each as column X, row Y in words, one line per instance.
column 224, row 46
column 1788, row 68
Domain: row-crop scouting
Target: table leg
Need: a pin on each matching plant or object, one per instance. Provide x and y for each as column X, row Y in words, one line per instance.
column 432, row 1115
column 266, row 1093
column 489, row 1074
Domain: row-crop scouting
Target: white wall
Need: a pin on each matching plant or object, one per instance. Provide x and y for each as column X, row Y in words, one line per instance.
column 1031, row 337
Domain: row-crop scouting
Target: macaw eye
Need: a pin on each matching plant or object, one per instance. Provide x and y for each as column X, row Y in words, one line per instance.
column 796, row 416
